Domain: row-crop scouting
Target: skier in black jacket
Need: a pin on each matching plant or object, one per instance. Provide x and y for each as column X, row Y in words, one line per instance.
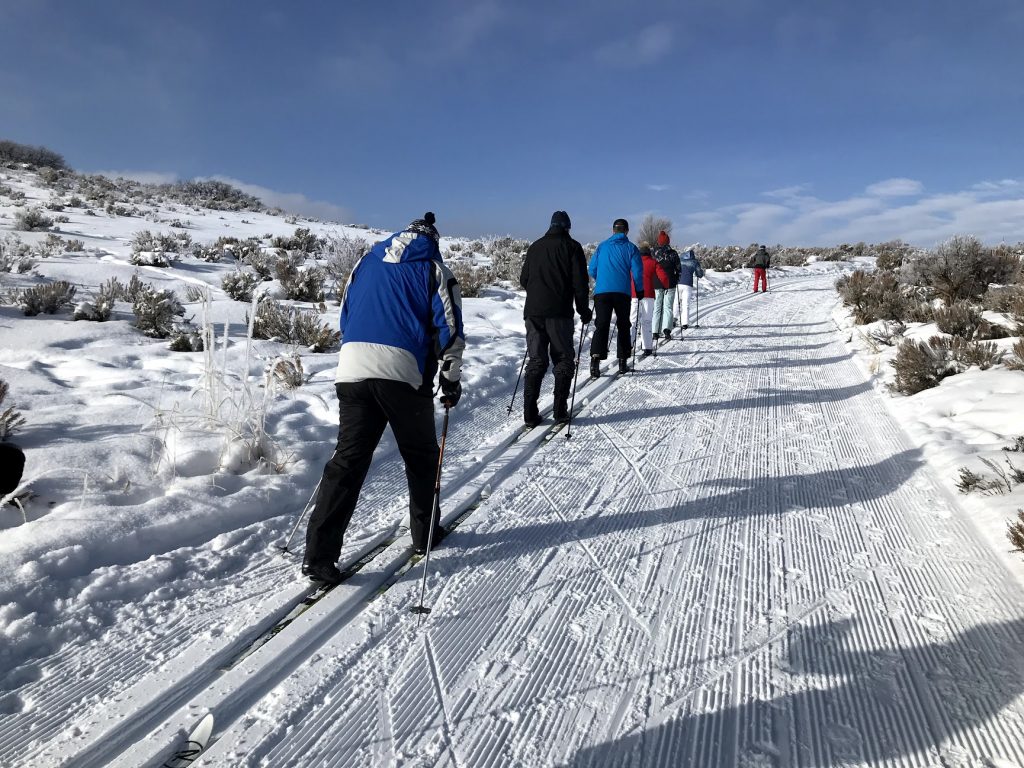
column 554, row 276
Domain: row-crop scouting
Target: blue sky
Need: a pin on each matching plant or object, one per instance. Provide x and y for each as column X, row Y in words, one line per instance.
column 740, row 120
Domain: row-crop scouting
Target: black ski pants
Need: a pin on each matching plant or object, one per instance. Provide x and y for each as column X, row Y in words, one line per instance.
column 548, row 339
column 604, row 304
column 364, row 409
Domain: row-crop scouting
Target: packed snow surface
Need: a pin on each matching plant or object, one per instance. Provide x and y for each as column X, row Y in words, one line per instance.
column 740, row 557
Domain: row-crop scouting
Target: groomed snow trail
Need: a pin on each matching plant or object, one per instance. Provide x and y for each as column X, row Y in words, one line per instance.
column 737, row 560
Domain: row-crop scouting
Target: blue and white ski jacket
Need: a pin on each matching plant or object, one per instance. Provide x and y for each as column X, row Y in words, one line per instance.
column 689, row 267
column 401, row 314
column 612, row 264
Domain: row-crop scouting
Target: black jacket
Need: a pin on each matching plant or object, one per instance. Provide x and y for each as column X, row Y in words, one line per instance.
column 761, row 258
column 554, row 274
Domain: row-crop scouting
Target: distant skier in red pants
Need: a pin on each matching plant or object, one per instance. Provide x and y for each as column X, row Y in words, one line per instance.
column 761, row 262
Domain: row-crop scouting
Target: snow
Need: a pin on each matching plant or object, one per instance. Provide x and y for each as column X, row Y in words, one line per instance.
column 749, row 552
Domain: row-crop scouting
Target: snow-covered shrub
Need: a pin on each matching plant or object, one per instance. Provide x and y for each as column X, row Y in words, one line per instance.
column 54, row 205
column 102, row 304
column 286, row 372
column 341, row 253
column 300, row 281
column 61, row 219
column 919, row 366
column 262, row 263
column 958, row 319
column 48, row 298
column 472, row 279
column 650, row 226
column 10, row 419
column 15, row 255
column 293, row 326
column 507, row 255
column 32, row 220
column 185, row 338
column 155, row 311
column 156, row 249
column 965, row 354
column 873, row 296
column 302, row 240
column 73, row 245
column 239, row 284
column 970, row 481
column 891, row 255
column 1015, row 532
column 889, row 334
column 194, row 293
column 959, row 269
column 37, row 157
column 1016, row 362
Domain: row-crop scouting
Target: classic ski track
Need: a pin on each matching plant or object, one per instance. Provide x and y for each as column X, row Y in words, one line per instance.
column 183, row 692
column 814, row 612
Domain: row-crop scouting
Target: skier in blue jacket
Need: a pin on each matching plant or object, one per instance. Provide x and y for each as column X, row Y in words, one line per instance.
column 616, row 267
column 401, row 320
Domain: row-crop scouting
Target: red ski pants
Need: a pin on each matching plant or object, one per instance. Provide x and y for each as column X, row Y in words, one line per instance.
column 760, row 274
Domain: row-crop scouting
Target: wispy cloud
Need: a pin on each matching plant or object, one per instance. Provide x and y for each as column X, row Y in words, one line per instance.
column 659, row 187
column 895, row 188
column 648, row 46
column 892, row 208
column 293, row 202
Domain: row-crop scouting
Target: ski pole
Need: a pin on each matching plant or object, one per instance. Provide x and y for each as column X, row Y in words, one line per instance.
column 516, row 388
column 421, row 609
column 579, row 353
column 636, row 334
column 302, row 514
column 696, row 283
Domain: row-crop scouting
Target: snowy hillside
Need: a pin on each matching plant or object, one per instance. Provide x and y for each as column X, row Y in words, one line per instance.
column 741, row 557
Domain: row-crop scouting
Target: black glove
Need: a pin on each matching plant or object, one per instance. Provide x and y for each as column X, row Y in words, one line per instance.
column 586, row 315
column 639, row 295
column 451, row 391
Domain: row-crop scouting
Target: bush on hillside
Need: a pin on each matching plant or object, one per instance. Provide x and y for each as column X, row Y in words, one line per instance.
column 10, row 419
column 37, row 157
column 300, row 281
column 958, row 319
column 289, row 325
column 953, row 272
column 155, row 311
column 239, row 284
column 507, row 255
column 472, row 279
column 874, row 296
column 919, row 366
column 341, row 253
column 1016, row 363
column 32, row 220
column 891, row 255
column 48, row 298
column 302, row 240
column 15, row 255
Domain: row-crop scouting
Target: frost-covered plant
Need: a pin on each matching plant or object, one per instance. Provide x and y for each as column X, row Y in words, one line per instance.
column 507, row 255
column 300, row 281
column 1016, row 362
column 963, row 354
column 155, row 311
column 194, row 293
column 1015, row 532
column 650, row 226
column 889, row 334
column 48, row 298
column 37, row 157
column 239, row 284
column 472, row 279
column 74, row 245
column 959, row 269
column 286, row 372
column 302, row 240
column 873, row 296
column 341, row 253
column 958, row 319
column 10, row 419
column 186, row 338
column 293, row 326
column 102, row 305
column 15, row 255
column 262, row 263
column 32, row 220
column 919, row 366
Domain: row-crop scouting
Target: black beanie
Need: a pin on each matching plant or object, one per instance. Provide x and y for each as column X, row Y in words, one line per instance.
column 425, row 226
column 561, row 219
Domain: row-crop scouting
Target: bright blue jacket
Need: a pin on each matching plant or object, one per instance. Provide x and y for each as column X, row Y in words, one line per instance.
column 689, row 267
column 612, row 263
column 401, row 315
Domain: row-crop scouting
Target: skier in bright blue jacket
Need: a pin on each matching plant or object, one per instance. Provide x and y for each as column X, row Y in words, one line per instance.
column 616, row 267
column 401, row 319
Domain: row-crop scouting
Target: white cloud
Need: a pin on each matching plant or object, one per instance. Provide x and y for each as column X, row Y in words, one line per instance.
column 647, row 46
column 659, row 187
column 292, row 202
column 895, row 188
column 992, row 211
